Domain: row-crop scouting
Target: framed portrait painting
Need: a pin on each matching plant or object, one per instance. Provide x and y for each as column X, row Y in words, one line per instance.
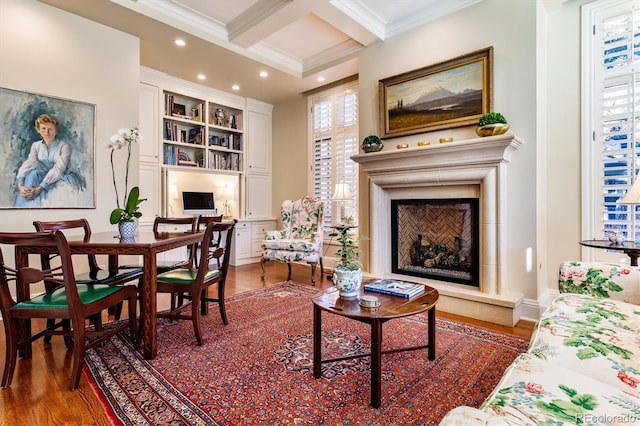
column 453, row 93
column 49, row 149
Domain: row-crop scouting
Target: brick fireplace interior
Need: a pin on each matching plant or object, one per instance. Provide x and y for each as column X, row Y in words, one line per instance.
column 436, row 238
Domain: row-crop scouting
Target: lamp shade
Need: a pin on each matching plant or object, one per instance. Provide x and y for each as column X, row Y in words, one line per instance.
column 341, row 192
column 633, row 195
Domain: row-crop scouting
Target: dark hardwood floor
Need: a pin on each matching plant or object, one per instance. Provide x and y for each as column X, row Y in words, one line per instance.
column 39, row 393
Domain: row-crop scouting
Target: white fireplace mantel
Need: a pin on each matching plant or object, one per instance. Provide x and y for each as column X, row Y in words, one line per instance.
column 472, row 167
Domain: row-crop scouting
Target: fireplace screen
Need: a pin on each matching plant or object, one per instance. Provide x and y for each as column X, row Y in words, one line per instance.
column 436, row 238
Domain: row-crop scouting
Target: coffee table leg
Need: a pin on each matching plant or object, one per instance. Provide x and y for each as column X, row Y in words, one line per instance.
column 317, row 342
column 431, row 317
column 376, row 363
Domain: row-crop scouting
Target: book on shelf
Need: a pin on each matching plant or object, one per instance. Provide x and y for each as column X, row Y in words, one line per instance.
column 195, row 135
column 395, row 288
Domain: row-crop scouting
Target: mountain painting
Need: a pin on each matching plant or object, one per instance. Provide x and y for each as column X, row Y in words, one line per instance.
column 436, row 98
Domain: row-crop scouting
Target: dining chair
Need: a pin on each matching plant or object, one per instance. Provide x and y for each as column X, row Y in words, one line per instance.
column 63, row 298
column 191, row 223
column 96, row 275
column 202, row 222
column 194, row 282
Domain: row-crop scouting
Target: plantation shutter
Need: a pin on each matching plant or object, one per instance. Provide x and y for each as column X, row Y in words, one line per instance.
column 616, row 56
column 335, row 140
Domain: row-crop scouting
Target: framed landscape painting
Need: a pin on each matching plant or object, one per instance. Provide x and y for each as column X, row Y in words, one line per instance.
column 449, row 94
column 49, row 147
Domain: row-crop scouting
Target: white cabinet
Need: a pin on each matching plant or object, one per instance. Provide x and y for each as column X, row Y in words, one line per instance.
column 247, row 241
column 258, row 182
column 148, row 122
column 150, row 189
column 258, row 196
column 259, row 152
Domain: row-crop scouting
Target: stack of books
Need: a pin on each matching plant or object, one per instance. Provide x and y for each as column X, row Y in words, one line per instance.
column 395, row 288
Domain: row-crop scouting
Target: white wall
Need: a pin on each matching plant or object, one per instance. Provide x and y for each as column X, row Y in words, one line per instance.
column 47, row 51
column 510, row 28
column 563, row 137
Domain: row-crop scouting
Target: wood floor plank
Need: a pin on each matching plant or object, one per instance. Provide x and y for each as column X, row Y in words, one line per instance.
column 40, row 392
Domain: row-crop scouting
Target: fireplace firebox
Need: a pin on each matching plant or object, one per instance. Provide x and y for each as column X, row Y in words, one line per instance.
column 436, row 239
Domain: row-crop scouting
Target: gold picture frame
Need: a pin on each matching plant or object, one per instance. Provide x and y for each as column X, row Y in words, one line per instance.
column 449, row 94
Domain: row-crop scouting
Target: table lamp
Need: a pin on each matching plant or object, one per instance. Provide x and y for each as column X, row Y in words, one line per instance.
column 341, row 194
column 228, row 197
column 632, row 197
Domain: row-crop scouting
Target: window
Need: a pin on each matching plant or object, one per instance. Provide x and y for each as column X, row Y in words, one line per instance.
column 334, row 136
column 611, row 84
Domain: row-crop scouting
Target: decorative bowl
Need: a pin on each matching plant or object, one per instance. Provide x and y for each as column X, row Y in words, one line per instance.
column 492, row 129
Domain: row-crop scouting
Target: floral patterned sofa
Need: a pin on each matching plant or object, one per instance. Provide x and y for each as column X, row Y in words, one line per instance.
column 583, row 363
column 300, row 239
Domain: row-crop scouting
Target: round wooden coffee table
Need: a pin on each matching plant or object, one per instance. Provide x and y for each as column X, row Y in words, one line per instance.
column 390, row 307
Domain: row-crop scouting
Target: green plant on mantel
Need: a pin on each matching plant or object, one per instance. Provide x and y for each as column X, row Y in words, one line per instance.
column 492, row 118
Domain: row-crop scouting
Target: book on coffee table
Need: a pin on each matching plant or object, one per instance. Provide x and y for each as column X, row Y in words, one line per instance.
column 395, row 288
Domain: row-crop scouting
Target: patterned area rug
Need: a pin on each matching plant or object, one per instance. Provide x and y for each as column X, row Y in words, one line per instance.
column 258, row 369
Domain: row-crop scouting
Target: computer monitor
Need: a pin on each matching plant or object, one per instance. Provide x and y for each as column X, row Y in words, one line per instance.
column 195, row 203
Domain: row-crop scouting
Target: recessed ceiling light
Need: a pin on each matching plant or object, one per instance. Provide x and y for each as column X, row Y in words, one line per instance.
column 321, row 78
column 201, row 77
column 264, row 74
column 235, row 87
column 180, row 42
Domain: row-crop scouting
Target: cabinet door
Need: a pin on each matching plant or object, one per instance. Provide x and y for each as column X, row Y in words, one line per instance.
column 149, row 117
column 259, row 146
column 258, row 196
column 241, row 243
column 150, row 189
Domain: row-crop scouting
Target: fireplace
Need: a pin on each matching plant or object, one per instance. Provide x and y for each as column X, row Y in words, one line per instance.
column 436, row 238
column 465, row 169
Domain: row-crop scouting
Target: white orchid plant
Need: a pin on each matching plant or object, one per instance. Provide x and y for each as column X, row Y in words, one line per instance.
column 123, row 139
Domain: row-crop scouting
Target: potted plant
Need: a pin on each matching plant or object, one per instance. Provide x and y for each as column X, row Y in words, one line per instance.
column 492, row 124
column 371, row 143
column 126, row 216
column 347, row 273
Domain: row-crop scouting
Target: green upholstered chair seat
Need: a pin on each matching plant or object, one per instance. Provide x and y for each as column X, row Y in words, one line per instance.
column 125, row 273
column 58, row 298
column 185, row 276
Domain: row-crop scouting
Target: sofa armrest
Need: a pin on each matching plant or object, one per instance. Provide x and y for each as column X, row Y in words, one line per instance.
column 465, row 416
column 599, row 279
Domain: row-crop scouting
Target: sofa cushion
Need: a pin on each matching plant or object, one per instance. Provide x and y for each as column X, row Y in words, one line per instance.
column 599, row 279
column 596, row 337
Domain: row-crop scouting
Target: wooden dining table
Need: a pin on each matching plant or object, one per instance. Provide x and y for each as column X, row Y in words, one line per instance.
column 145, row 244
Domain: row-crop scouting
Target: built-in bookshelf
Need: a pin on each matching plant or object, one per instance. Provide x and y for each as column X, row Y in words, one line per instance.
column 225, row 138
column 201, row 133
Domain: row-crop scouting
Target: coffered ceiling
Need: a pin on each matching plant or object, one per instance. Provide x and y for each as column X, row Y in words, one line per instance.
column 231, row 41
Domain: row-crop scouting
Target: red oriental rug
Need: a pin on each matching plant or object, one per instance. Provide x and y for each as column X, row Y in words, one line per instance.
column 258, row 369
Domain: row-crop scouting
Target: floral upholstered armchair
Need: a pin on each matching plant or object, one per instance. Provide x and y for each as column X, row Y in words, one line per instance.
column 300, row 239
